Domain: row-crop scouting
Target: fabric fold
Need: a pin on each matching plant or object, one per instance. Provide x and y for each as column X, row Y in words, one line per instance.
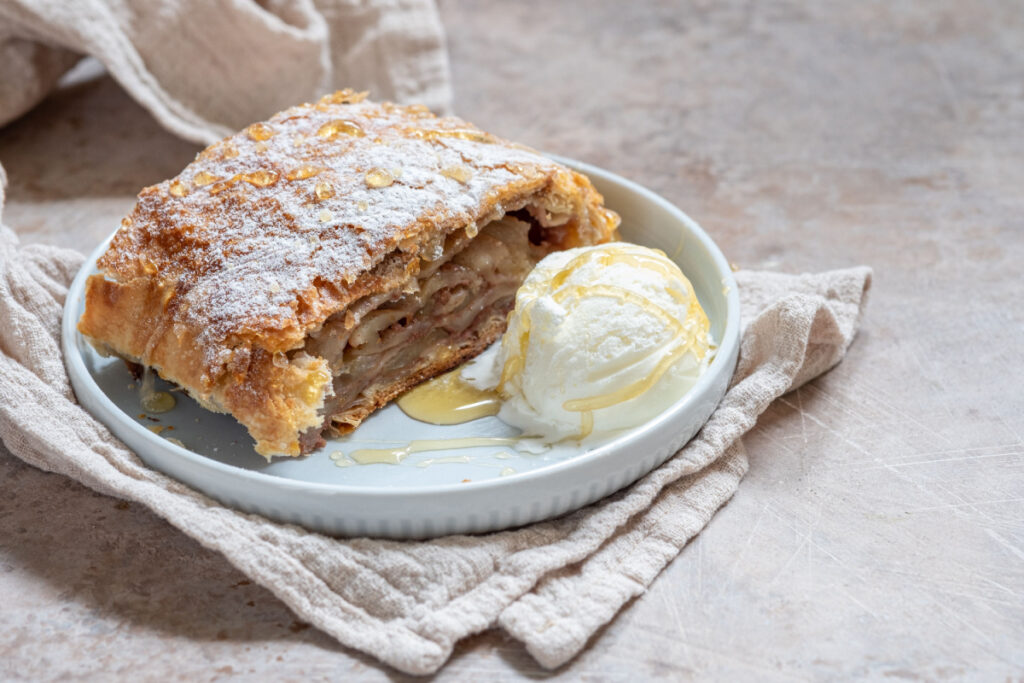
column 206, row 69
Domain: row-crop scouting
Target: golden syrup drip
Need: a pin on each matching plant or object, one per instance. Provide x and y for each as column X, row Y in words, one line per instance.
column 177, row 189
column 323, row 190
column 386, row 456
column 378, row 177
column 304, row 172
column 662, row 265
column 682, row 338
column 447, row 460
column 228, row 151
column 669, row 270
column 204, row 178
column 472, row 230
column 261, row 178
column 448, row 400
column 578, row 292
column 393, row 456
column 515, row 363
column 325, row 215
column 332, row 129
column 459, row 173
column 684, row 331
column 151, row 400
column 260, row 132
column 586, row 423
column 158, row 402
column 629, row 391
column 176, row 442
column 156, row 429
column 341, row 460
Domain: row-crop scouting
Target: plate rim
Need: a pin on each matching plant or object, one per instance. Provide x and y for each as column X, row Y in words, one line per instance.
column 82, row 380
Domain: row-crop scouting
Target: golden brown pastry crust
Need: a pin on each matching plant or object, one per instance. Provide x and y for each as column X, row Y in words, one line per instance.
column 218, row 272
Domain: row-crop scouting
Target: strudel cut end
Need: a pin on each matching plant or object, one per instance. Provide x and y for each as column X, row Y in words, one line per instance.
column 306, row 271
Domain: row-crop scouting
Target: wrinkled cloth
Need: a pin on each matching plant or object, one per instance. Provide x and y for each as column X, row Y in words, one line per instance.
column 206, row 69
column 552, row 584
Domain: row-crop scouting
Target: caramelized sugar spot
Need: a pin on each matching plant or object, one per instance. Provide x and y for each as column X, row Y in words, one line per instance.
column 303, row 172
column 204, row 178
column 224, row 184
column 260, row 132
column 323, row 190
column 378, row 177
column 261, row 178
column 332, row 129
column 460, row 173
column 346, row 96
column 461, row 133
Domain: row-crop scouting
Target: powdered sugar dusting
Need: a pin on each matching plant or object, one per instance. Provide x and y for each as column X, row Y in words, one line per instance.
column 265, row 229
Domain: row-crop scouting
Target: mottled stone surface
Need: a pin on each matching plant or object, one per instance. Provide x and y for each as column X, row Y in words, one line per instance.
column 879, row 532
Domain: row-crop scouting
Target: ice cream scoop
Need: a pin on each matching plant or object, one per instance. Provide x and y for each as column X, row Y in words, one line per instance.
column 602, row 338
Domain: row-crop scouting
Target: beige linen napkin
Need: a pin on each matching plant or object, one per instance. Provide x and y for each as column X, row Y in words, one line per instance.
column 206, row 69
column 551, row 584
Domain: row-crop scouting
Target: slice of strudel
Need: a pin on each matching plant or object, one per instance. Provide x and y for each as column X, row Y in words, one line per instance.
column 304, row 272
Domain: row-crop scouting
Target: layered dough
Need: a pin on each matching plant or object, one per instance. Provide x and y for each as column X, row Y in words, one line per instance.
column 304, row 272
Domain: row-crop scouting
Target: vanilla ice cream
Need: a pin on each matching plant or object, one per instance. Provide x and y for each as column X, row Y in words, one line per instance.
column 602, row 338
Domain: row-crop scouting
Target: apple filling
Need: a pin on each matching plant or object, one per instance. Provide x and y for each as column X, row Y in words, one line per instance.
column 456, row 305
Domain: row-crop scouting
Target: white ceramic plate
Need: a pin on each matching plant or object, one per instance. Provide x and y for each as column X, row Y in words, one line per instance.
column 430, row 493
